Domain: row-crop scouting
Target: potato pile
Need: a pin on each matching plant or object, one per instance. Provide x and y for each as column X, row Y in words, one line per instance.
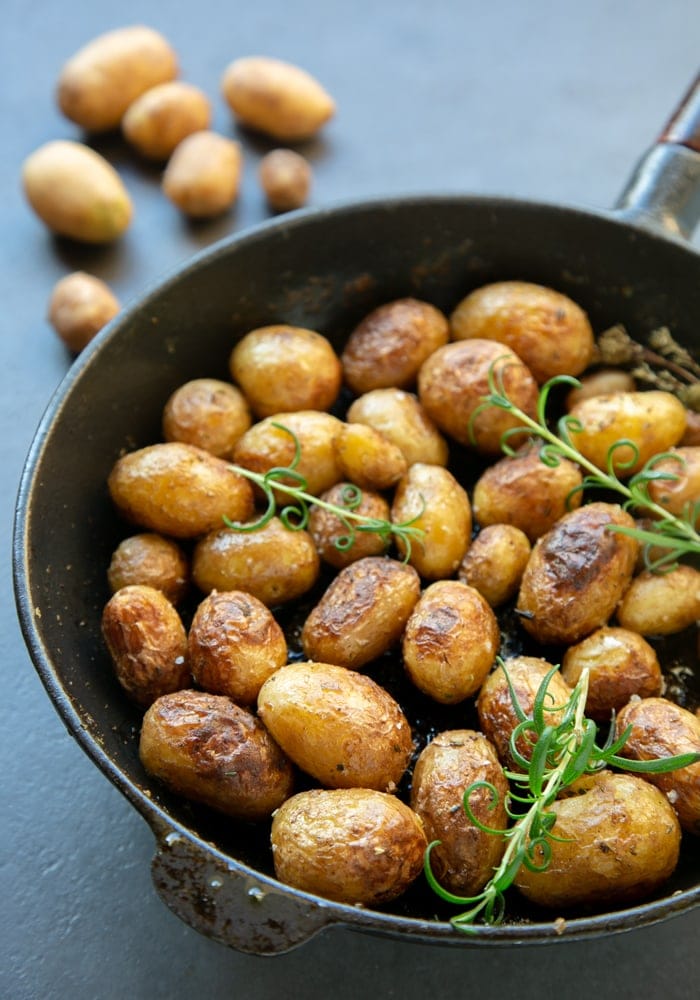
column 295, row 728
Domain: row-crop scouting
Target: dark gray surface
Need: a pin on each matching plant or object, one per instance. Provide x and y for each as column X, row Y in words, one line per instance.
column 542, row 100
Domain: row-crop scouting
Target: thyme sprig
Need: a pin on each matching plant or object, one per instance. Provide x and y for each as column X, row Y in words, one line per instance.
column 295, row 516
column 560, row 754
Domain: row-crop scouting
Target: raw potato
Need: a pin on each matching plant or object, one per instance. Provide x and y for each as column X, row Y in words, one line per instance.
column 495, row 562
column 618, row 840
column 179, row 490
column 276, row 98
column 601, row 383
column 577, row 574
column 679, row 494
column 208, row 413
column 147, row 642
column 80, row 305
column 390, row 344
column 660, row 729
column 450, row 642
column 101, row 80
column 351, row 845
column 337, row 725
column 661, row 603
column 464, row 860
column 206, row 748
column 76, row 192
column 549, row 331
column 285, row 177
column 400, row 417
column 234, row 645
column 330, row 533
column 203, row 174
column 368, row 458
column 285, row 368
column 151, row 560
column 362, row 613
column 163, row 116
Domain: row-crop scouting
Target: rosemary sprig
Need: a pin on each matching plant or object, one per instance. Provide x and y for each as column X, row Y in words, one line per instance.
column 295, row 516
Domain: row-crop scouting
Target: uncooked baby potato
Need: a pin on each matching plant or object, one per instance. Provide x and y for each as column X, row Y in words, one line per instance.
column 285, row 177
column 163, row 116
column 203, row 174
column 80, row 305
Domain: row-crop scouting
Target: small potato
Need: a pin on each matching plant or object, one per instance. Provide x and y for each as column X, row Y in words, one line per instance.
column 450, row 642
column 207, row 413
column 147, row 642
column 654, row 421
column 284, row 368
column 362, row 613
column 577, row 574
column 452, row 384
column 339, row 726
column 101, row 80
column 495, row 562
column 400, row 417
column 153, row 561
column 234, row 645
column 390, row 344
column 352, row 845
column 271, row 563
column 368, row 458
column 601, row 383
column 677, row 495
column 285, row 177
column 80, row 305
column 276, row 98
column 549, row 331
column 614, row 842
column 179, row 490
column 660, row 728
column 203, row 174
column 76, row 192
column 691, row 435
column 165, row 115
column 431, row 499
column 464, row 860
column 206, row 748
column 330, row 534
column 522, row 491
column 620, row 664
column 661, row 603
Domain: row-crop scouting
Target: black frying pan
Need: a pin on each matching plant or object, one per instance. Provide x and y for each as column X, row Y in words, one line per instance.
column 320, row 269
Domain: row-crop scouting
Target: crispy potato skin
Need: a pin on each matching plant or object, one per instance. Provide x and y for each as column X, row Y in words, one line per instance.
column 147, row 642
column 620, row 844
column 466, row 856
column 577, row 574
column 337, row 725
column 362, row 614
column 399, row 416
column 207, row 413
column 163, row 116
column 327, row 529
column 661, row 603
column 368, row 458
column 495, row 562
column 660, row 728
column 206, row 748
column 203, row 174
column 152, row 560
column 676, row 494
column 352, row 845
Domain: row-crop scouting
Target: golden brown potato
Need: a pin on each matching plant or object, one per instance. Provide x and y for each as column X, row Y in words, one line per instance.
column 431, row 499
column 362, row 613
column 206, row 748
column 352, row 845
column 339, row 726
column 285, row 177
column 450, row 642
column 620, row 664
column 163, row 116
column 153, row 561
column 76, row 192
column 101, row 80
column 400, row 417
column 391, row 343
column 615, row 843
column 330, row 534
column 521, row 490
column 661, row 603
column 577, row 574
column 660, row 728
column 272, row 563
column 545, row 328
column 276, row 97
column 207, row 413
column 368, row 458
column 80, row 305
column 691, row 434
column 452, row 384
column 234, row 645
column 203, row 174
column 601, row 383
column 147, row 642
column 466, row 856
column 286, row 368
column 677, row 495
column 179, row 490
column 495, row 562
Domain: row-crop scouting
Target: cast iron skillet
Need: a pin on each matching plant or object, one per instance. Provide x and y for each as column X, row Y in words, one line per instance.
column 322, row 269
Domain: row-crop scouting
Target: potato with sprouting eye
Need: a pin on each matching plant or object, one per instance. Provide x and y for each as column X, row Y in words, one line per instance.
column 340, row 542
column 207, row 413
column 495, row 562
column 153, row 561
column 399, row 416
column 661, row 603
column 368, row 458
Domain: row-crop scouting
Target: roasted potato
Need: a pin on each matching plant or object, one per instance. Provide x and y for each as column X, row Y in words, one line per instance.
column 400, row 417
column 602, row 382
column 337, row 544
column 151, row 560
column 80, row 305
column 677, row 495
column 495, row 562
column 208, row 413
column 368, row 458
column 661, row 603
column 163, row 116
column 203, row 174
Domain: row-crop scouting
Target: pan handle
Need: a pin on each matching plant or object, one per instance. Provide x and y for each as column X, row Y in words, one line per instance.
column 664, row 189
